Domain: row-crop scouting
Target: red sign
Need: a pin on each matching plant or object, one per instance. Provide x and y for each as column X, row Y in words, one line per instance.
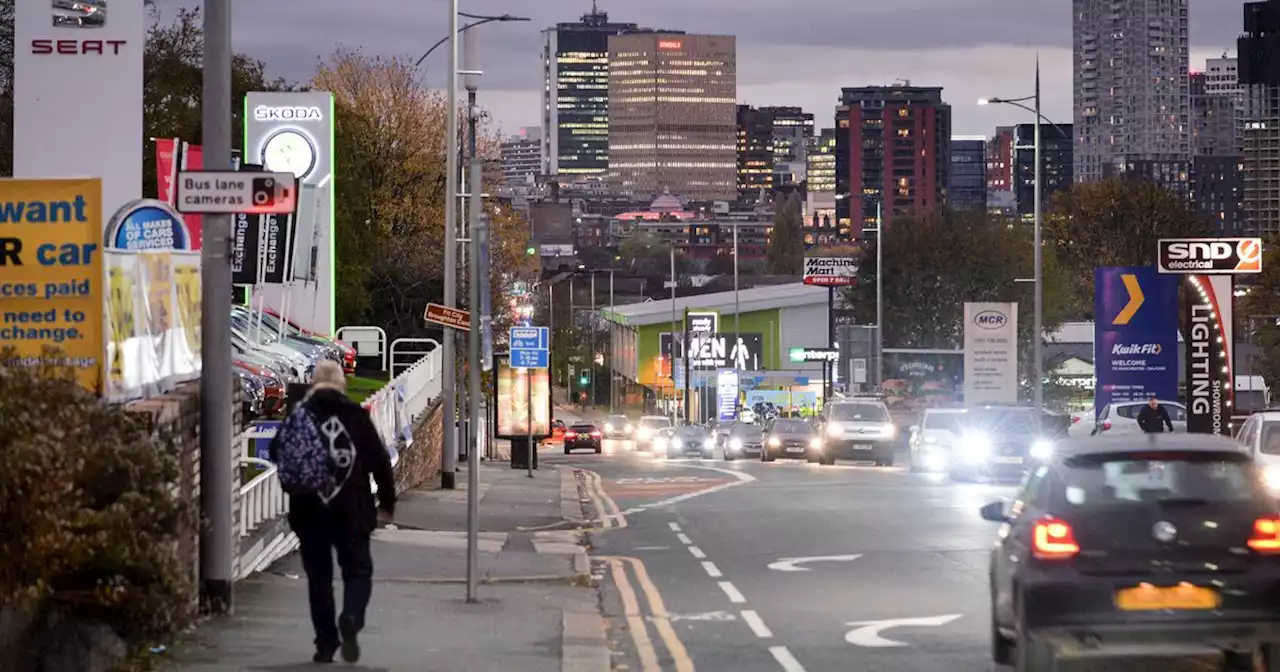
column 75, row 47
column 829, row 281
column 172, row 156
column 449, row 317
column 670, row 45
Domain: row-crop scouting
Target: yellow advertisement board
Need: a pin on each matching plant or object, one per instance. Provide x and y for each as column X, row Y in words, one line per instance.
column 51, row 273
column 514, row 405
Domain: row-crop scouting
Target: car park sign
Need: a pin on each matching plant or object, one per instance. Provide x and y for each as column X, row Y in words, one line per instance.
column 830, row 271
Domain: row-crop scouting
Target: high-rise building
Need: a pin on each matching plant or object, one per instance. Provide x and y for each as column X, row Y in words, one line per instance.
column 1056, row 164
column 893, row 147
column 522, row 157
column 1000, row 160
column 1214, row 120
column 792, row 132
column 1132, row 105
column 673, row 115
column 967, row 182
column 755, row 153
column 1217, row 105
column 1259, row 60
column 575, row 95
column 820, row 186
column 1222, row 78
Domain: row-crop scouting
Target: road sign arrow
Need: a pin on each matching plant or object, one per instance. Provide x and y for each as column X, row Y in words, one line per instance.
column 793, row 564
column 1136, row 298
column 868, row 632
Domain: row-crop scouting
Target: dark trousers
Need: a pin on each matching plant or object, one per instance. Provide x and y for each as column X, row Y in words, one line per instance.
column 317, row 546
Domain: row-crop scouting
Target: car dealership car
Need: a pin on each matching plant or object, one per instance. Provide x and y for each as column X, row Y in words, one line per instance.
column 1156, row 545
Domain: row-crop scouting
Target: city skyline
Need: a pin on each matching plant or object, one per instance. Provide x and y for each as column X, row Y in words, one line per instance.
column 982, row 48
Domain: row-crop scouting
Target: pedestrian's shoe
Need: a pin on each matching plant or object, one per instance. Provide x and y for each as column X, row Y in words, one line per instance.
column 350, row 644
column 324, row 653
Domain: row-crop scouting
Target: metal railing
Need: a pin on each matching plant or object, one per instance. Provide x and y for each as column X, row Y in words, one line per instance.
column 261, row 499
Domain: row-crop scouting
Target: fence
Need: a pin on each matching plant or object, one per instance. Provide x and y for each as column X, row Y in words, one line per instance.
column 261, row 504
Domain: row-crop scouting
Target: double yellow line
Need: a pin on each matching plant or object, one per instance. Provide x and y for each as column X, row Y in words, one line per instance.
column 638, row 620
column 607, row 511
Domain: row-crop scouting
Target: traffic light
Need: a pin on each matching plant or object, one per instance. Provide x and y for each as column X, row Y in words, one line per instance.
column 584, row 380
column 531, row 250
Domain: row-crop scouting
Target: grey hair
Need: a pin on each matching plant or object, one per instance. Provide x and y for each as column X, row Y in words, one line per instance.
column 329, row 374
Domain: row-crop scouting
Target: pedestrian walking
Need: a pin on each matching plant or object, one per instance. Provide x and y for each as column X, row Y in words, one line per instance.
column 326, row 451
column 1153, row 418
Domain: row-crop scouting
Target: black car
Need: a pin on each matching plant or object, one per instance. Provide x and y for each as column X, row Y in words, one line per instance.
column 1000, row 443
column 582, row 436
column 685, row 441
column 617, row 427
column 1160, row 545
column 741, row 439
column 791, row 438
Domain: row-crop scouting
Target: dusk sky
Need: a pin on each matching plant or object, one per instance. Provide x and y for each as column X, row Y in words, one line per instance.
column 789, row 53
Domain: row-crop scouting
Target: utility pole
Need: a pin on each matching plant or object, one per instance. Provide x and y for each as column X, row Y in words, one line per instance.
column 613, row 358
column 478, row 266
column 449, row 448
column 591, row 381
column 688, row 369
column 217, row 555
column 673, row 334
column 737, row 324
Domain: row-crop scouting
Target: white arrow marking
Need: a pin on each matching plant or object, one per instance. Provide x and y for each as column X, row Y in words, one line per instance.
column 792, row 564
column 868, row 634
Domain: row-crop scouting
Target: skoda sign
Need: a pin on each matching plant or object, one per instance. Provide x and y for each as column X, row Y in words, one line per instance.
column 287, row 113
column 147, row 224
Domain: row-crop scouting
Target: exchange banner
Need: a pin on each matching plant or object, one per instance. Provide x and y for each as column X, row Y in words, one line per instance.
column 1136, row 334
column 51, row 274
column 152, row 322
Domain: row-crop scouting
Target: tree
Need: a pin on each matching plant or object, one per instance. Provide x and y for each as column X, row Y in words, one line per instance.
column 1112, row 223
column 786, row 244
column 1257, row 313
column 646, row 254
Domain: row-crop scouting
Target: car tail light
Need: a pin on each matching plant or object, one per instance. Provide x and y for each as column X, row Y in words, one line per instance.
column 1053, row 539
column 1106, row 426
column 570, row 435
column 595, row 435
column 1266, row 535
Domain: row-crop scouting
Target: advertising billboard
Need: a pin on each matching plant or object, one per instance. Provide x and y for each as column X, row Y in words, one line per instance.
column 51, row 273
column 1135, row 334
column 830, row 271
column 147, row 224
column 77, row 93
column 718, row 351
column 292, row 132
column 1207, row 318
column 918, row 379
column 990, row 354
column 515, row 404
column 1213, row 256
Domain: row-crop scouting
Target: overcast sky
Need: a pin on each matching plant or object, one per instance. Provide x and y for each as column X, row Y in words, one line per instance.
column 790, row 52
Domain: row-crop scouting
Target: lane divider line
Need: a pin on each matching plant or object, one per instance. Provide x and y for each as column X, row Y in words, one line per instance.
column 712, row 570
column 684, row 538
column 675, row 527
column 785, row 659
column 735, row 595
column 756, row 624
column 635, row 620
column 661, row 620
column 697, row 553
column 593, row 493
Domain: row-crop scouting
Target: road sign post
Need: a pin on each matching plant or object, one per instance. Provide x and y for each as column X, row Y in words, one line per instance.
column 530, row 349
column 449, row 317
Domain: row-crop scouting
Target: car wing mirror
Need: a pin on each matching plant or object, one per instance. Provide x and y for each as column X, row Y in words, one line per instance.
column 994, row 512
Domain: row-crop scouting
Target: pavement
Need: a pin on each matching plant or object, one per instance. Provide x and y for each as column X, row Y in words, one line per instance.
column 536, row 609
column 755, row 567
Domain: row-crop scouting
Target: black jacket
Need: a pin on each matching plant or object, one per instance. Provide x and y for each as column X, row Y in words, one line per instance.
column 353, row 510
column 1152, row 420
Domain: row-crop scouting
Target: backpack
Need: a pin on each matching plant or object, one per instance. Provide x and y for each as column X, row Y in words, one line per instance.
column 313, row 457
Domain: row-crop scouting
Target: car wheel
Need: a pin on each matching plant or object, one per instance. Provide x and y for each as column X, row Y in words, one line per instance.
column 1001, row 646
column 886, row 461
column 814, row 459
column 599, row 449
column 566, row 450
column 1034, row 656
column 765, row 456
column 729, row 457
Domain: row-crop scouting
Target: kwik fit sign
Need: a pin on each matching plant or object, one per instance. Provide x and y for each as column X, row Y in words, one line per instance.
column 1136, row 334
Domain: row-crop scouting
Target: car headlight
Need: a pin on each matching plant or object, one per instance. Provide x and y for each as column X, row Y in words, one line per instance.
column 628, row 429
column 659, row 442
column 676, row 443
column 1041, row 450
column 608, row 427
column 1271, row 478
column 735, row 444
column 645, row 433
column 930, row 439
column 774, row 442
column 709, row 443
column 977, row 447
column 815, row 443
column 835, row 430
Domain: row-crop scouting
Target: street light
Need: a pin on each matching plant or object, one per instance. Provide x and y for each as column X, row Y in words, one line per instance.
column 879, row 230
column 482, row 20
column 1038, row 279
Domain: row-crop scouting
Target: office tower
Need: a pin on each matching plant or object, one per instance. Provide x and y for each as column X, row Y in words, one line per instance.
column 792, row 133
column 1259, row 61
column 522, row 156
column 1222, row 78
column 673, row 115
column 1132, row 105
column 1000, row 196
column 575, row 95
column 820, row 184
column 967, row 182
column 893, row 146
column 1056, row 164
column 755, row 154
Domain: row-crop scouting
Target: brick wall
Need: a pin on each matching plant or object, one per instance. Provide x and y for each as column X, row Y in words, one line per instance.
column 420, row 463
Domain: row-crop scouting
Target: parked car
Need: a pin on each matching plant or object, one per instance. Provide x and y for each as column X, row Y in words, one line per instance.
column 348, row 351
column 286, row 333
column 1260, row 435
column 1122, row 417
column 274, row 386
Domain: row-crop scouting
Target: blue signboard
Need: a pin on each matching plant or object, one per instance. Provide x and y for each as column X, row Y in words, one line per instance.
column 1135, row 334
column 148, row 224
column 530, row 347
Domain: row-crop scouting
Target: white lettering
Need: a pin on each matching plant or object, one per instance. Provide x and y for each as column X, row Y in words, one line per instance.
column 266, row 113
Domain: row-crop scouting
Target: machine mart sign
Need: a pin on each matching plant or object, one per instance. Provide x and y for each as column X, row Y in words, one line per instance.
column 1211, row 256
column 830, row 271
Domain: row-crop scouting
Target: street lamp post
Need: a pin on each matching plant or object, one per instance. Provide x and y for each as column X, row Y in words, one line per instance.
column 1037, row 389
column 879, row 345
column 673, row 335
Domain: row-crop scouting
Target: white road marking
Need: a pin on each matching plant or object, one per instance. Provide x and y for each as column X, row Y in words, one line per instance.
column 712, row 570
column 785, row 659
column 684, row 538
column 868, row 632
column 708, row 616
column 653, row 548
column 793, row 564
column 675, row 527
column 756, row 624
column 697, row 553
column 735, row 595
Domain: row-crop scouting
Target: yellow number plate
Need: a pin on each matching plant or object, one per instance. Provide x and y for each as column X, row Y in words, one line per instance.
column 1150, row 598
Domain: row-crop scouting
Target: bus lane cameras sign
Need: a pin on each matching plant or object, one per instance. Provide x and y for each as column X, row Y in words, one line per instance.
column 229, row 192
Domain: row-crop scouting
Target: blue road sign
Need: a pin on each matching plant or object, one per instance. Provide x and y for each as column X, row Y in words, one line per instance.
column 530, row 347
column 1135, row 334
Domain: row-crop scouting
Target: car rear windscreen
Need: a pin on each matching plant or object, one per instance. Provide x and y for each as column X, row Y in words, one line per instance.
column 655, row 423
column 583, row 429
column 1137, row 478
column 788, row 426
column 859, row 413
